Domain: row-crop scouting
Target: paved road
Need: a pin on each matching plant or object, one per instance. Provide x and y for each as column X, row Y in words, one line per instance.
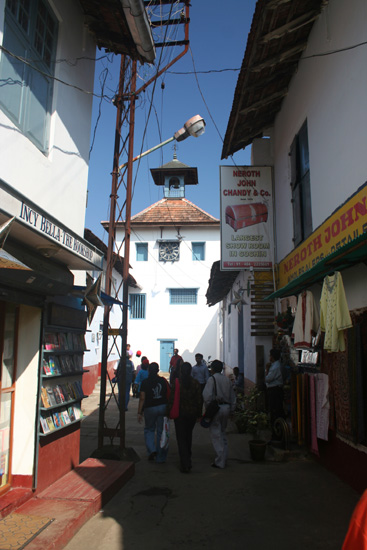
column 248, row 506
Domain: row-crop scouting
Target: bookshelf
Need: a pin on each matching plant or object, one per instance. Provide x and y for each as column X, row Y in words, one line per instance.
column 61, row 391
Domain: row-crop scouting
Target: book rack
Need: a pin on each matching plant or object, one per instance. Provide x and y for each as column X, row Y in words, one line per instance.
column 61, row 389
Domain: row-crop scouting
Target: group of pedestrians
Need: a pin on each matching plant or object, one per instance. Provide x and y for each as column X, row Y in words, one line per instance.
column 189, row 389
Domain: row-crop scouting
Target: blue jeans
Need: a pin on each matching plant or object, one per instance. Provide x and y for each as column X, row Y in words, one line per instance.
column 153, row 430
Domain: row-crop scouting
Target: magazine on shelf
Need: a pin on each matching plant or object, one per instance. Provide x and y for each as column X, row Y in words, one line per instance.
column 45, row 427
column 54, row 365
column 76, row 341
column 79, row 389
column 71, row 391
column 44, row 398
column 46, row 368
column 78, row 413
column 65, row 416
column 50, row 422
column 56, row 395
column 81, row 340
column 70, row 341
column 71, row 414
column 66, row 392
column 62, row 341
column 78, row 362
column 56, row 419
column 51, row 341
column 51, row 397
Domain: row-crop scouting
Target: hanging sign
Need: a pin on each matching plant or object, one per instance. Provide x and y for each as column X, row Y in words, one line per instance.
column 246, row 217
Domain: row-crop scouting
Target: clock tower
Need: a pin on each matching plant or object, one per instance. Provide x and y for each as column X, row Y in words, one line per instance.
column 174, row 176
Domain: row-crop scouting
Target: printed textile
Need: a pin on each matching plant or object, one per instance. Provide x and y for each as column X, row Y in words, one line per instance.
column 334, row 312
column 306, row 321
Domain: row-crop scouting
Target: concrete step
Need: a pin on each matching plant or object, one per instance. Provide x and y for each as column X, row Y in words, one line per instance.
column 74, row 499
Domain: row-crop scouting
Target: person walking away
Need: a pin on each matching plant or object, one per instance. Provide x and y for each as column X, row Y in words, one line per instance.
column 223, row 392
column 153, row 402
column 200, row 371
column 129, row 375
column 191, row 407
column 142, row 375
column 274, row 389
column 172, row 364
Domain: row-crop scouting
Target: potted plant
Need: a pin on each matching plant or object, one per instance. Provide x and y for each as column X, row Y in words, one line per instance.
column 251, row 417
column 285, row 320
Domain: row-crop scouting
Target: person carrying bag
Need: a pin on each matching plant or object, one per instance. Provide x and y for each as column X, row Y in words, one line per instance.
column 219, row 389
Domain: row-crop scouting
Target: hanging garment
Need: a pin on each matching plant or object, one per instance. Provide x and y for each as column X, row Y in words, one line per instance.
column 307, row 320
column 334, row 312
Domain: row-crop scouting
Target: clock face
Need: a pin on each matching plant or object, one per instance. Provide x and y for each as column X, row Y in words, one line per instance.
column 169, row 252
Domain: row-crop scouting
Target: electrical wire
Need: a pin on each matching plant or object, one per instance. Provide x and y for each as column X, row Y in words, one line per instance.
column 203, row 98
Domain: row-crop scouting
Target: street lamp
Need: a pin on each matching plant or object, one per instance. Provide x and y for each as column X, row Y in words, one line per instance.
column 194, row 127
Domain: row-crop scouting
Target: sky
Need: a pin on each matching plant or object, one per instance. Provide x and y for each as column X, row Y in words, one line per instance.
column 202, row 82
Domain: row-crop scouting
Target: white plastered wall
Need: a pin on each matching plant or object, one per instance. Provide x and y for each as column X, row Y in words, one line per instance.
column 330, row 92
column 57, row 182
column 26, row 390
column 194, row 328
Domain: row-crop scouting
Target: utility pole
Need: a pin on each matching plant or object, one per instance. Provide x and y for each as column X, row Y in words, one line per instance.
column 125, row 103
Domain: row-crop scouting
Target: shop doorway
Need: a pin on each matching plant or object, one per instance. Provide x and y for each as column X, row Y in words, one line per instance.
column 8, row 346
column 166, row 352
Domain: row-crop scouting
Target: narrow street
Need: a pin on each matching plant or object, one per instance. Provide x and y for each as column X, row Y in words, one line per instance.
column 270, row 504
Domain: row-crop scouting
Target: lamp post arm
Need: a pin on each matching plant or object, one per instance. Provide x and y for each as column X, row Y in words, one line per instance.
column 147, row 152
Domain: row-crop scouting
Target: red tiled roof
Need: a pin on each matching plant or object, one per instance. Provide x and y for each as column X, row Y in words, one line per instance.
column 174, row 211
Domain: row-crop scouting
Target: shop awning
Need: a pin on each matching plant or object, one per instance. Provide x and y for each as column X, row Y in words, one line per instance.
column 350, row 254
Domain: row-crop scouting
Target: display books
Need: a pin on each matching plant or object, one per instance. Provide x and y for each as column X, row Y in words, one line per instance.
column 56, row 419
column 54, row 365
column 78, row 362
column 46, row 368
column 63, row 341
column 44, row 398
column 65, row 416
column 50, row 422
column 51, row 341
column 71, row 414
column 66, row 364
column 45, row 427
column 51, row 397
column 70, row 341
column 79, row 341
column 79, row 389
column 78, row 412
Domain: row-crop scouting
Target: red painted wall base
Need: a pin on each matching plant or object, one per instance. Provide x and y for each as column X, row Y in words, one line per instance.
column 343, row 460
column 58, row 454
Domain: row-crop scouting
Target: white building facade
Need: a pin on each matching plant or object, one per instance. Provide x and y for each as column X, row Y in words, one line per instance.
column 314, row 125
column 47, row 58
column 173, row 245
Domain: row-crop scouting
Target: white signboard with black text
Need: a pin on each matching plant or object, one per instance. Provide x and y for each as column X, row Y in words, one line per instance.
column 246, row 216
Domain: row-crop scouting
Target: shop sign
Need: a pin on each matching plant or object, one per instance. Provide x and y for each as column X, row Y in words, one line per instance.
column 39, row 221
column 246, row 217
column 346, row 224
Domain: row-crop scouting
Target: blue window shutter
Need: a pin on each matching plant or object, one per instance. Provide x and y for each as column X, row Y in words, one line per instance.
column 141, row 252
column 198, row 251
column 37, row 108
column 12, row 75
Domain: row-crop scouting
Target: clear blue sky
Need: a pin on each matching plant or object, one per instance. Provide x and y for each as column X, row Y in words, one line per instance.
column 218, row 37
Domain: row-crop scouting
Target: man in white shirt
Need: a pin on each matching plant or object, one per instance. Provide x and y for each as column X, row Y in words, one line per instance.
column 220, row 388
